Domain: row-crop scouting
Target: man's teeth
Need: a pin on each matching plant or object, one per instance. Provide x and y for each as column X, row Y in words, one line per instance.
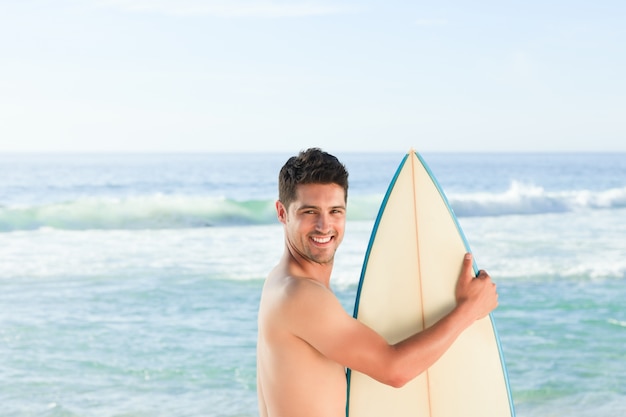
column 321, row 239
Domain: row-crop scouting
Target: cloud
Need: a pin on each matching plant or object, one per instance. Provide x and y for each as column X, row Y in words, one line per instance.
column 227, row 8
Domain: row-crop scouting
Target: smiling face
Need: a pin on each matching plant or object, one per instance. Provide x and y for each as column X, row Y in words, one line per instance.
column 314, row 221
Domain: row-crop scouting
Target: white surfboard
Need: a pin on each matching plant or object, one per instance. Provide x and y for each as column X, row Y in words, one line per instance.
column 407, row 283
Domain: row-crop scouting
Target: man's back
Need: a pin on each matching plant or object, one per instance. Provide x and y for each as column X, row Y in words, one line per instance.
column 295, row 380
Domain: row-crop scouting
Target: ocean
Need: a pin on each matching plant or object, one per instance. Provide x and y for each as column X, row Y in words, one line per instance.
column 129, row 283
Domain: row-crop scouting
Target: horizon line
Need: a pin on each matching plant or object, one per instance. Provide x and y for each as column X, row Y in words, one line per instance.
column 297, row 149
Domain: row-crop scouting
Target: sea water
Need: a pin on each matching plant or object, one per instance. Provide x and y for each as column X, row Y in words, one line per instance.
column 129, row 283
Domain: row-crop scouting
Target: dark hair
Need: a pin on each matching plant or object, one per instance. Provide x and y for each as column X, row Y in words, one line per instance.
column 312, row 166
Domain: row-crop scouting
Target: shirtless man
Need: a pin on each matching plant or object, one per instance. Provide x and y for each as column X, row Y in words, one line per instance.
column 306, row 339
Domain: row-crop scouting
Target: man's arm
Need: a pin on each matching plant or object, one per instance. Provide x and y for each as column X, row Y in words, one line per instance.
column 315, row 315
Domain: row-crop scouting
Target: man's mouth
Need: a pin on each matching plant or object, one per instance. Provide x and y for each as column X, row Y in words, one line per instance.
column 321, row 239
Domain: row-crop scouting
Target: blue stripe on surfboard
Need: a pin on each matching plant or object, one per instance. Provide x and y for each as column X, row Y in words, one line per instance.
column 367, row 256
column 467, row 248
column 375, row 231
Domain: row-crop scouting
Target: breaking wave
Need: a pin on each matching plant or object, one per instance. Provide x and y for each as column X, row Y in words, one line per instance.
column 173, row 212
column 526, row 199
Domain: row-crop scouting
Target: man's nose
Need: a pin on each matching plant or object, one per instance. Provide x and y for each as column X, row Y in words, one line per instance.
column 323, row 222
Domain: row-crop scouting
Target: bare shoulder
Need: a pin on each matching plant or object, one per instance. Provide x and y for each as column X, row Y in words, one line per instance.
column 294, row 294
column 291, row 302
column 294, row 371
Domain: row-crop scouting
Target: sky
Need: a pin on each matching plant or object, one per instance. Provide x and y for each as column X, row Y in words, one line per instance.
column 284, row 75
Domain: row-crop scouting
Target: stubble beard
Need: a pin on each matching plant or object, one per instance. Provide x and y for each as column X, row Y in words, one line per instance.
column 312, row 254
column 321, row 256
column 321, row 259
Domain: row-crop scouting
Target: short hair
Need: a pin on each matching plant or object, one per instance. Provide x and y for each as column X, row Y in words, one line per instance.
column 312, row 166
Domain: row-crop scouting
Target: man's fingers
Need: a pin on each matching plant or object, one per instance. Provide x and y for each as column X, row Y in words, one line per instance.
column 482, row 274
column 468, row 269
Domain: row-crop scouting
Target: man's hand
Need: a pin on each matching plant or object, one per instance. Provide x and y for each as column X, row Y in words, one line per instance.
column 478, row 294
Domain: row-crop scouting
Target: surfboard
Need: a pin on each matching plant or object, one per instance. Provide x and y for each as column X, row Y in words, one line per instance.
column 407, row 283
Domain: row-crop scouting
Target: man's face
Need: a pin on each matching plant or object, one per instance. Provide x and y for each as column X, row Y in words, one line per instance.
column 315, row 221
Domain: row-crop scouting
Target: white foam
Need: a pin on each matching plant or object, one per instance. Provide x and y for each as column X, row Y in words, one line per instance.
column 528, row 199
column 161, row 211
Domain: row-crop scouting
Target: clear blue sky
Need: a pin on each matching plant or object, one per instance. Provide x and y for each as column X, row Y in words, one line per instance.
column 254, row 75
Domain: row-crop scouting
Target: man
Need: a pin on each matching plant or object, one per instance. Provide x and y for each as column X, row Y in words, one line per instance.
column 306, row 339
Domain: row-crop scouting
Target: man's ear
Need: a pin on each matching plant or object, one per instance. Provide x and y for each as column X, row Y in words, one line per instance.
column 281, row 212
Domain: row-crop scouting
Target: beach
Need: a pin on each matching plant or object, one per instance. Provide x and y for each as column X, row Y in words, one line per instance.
column 129, row 283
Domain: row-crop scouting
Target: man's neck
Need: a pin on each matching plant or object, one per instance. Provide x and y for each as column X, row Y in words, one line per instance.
column 305, row 268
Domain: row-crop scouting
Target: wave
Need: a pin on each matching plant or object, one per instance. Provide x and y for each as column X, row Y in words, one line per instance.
column 528, row 199
column 140, row 212
column 181, row 211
